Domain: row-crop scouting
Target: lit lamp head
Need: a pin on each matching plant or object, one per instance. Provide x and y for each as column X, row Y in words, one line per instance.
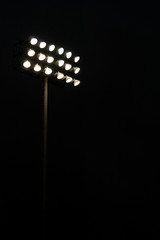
column 69, row 79
column 48, row 71
column 50, row 59
column 42, row 45
column 37, row 68
column 31, row 53
column 68, row 55
column 60, row 51
column 60, row 75
column 41, row 57
column 76, row 82
column 51, row 48
column 33, row 41
column 68, row 66
column 76, row 59
column 27, row 64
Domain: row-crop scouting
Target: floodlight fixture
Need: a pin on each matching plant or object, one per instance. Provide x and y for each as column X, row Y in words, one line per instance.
column 31, row 53
column 34, row 41
column 36, row 57
column 42, row 44
column 68, row 55
column 60, row 51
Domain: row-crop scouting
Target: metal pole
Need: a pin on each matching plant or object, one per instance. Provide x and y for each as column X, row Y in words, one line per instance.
column 45, row 155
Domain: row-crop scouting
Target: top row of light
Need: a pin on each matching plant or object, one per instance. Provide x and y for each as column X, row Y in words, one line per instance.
column 42, row 45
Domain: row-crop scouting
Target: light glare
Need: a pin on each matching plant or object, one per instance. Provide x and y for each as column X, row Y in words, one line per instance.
column 34, row 41
column 51, row 48
column 61, row 51
column 76, row 82
column 42, row 45
column 50, row 59
column 60, row 75
column 37, row 68
column 76, row 70
column 68, row 66
column 76, row 59
column 48, row 71
column 68, row 55
column 26, row 64
column 41, row 57
column 31, row 53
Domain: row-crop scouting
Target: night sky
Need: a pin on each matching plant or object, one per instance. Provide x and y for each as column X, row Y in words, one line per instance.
column 103, row 166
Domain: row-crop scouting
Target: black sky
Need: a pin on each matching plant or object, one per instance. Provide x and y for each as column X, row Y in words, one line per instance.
column 103, row 137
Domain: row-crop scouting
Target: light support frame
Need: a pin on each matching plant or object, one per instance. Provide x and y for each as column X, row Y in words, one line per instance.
column 37, row 68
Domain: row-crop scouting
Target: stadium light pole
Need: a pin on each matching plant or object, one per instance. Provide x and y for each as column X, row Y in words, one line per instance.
column 47, row 62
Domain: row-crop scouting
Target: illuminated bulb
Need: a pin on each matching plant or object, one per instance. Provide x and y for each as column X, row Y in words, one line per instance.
column 48, row 71
column 50, row 59
column 76, row 70
column 34, row 41
column 51, row 48
column 37, row 68
column 76, row 82
column 60, row 63
column 41, row 57
column 76, row 59
column 61, row 51
column 42, row 45
column 68, row 79
column 60, row 75
column 68, row 55
column 68, row 66
column 31, row 53
column 26, row 64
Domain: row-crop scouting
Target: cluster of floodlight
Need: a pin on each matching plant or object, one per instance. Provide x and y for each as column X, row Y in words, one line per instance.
column 52, row 61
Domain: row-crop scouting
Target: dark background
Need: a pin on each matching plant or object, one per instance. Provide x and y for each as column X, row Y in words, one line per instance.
column 103, row 136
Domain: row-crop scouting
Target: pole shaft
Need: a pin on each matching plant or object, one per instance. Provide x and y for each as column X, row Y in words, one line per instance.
column 45, row 154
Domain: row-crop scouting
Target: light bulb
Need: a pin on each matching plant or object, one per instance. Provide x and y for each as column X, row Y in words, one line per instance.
column 76, row 70
column 41, row 57
column 68, row 66
column 60, row 75
column 34, row 41
column 48, row 71
column 26, row 64
column 51, row 48
column 69, row 79
column 76, row 59
column 31, row 53
column 61, row 51
column 42, row 45
column 50, row 59
column 76, row 82
column 60, row 63
column 37, row 68
column 68, row 54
